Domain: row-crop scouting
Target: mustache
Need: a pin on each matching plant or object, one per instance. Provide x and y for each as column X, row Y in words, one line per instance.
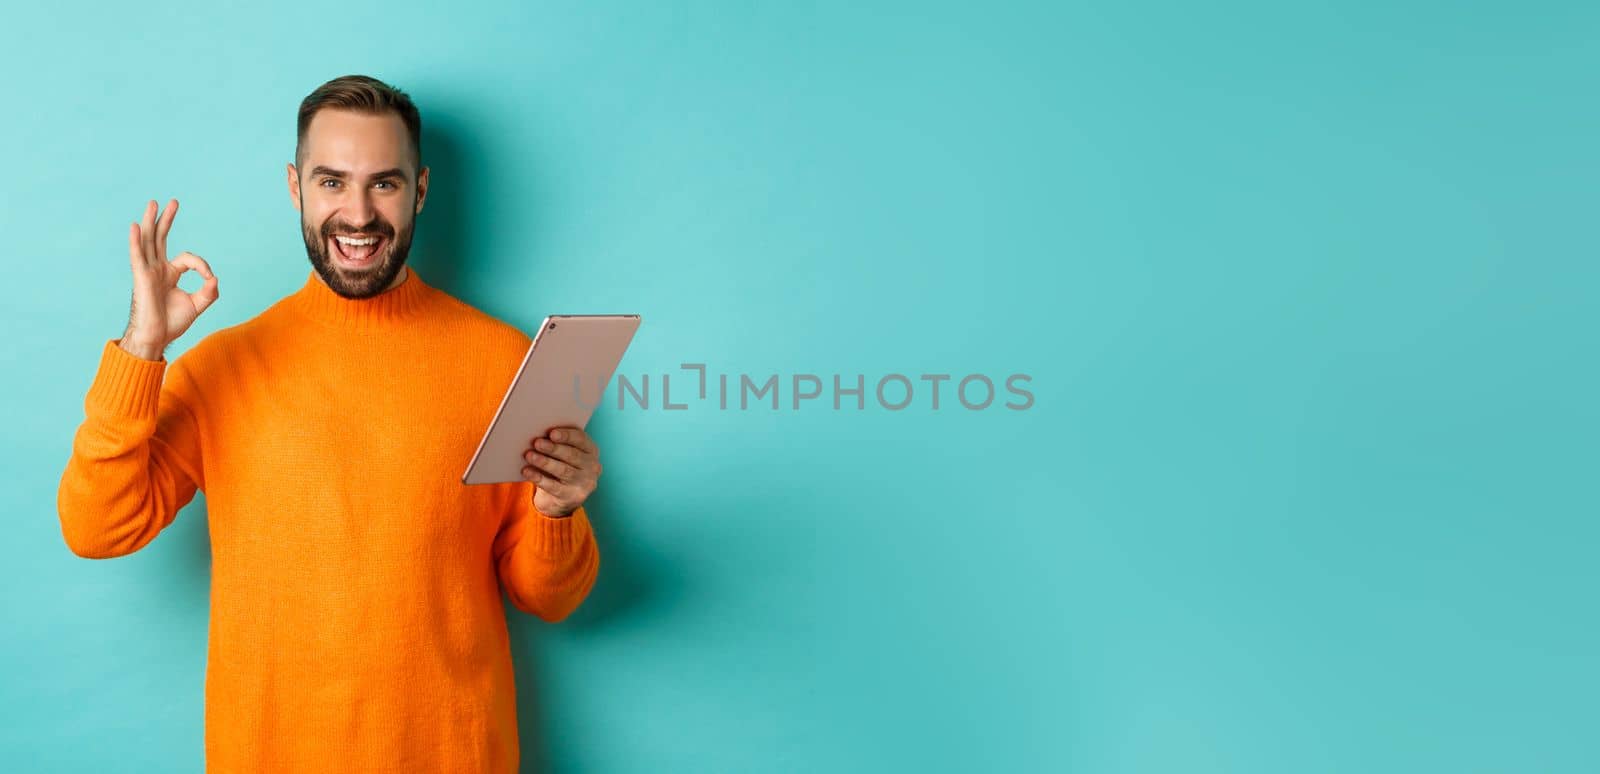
column 375, row 227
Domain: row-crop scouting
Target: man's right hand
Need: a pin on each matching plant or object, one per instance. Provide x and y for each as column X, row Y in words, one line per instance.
column 161, row 311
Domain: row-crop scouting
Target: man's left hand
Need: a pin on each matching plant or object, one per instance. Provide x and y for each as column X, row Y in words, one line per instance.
column 564, row 465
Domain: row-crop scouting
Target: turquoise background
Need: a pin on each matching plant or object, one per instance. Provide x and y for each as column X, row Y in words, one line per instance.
column 1307, row 292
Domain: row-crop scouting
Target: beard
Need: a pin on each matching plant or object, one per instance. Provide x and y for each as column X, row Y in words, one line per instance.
column 358, row 283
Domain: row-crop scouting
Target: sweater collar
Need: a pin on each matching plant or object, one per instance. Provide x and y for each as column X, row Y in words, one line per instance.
column 316, row 300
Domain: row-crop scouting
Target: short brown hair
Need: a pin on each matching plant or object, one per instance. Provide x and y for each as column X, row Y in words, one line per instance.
column 365, row 95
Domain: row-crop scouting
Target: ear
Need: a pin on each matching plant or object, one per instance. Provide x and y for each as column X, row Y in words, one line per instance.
column 294, row 186
column 422, row 190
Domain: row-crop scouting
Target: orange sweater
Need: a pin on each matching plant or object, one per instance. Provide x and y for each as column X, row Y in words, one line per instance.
column 356, row 616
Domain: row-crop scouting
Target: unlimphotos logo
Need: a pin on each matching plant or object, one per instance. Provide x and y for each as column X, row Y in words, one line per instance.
column 894, row 392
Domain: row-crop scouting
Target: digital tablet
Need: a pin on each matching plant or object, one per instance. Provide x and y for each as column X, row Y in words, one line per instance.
column 560, row 383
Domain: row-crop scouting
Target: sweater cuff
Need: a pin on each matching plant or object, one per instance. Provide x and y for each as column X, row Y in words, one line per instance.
column 553, row 536
column 125, row 385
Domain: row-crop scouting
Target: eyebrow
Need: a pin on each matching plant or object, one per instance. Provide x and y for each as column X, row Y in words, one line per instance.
column 341, row 174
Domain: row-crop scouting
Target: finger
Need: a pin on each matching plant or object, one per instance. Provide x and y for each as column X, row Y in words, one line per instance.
column 544, row 481
column 162, row 227
column 147, row 233
column 135, row 252
column 572, row 436
column 560, row 470
column 209, row 291
column 564, row 452
column 567, row 493
column 576, row 438
column 195, row 262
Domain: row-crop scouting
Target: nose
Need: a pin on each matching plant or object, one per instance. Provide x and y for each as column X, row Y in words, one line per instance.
column 359, row 209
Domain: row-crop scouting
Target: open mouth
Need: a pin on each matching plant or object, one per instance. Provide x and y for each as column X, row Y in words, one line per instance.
column 356, row 251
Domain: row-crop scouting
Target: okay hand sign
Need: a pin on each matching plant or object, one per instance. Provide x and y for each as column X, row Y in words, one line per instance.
column 161, row 311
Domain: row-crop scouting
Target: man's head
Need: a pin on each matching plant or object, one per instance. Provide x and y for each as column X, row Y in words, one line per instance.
column 358, row 173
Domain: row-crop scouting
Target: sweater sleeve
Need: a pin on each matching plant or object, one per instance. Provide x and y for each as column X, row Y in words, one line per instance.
column 546, row 565
column 135, row 458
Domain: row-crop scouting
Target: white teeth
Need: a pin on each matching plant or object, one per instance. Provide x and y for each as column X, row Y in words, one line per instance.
column 355, row 242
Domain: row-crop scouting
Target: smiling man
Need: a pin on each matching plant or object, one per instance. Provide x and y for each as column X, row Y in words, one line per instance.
column 357, row 622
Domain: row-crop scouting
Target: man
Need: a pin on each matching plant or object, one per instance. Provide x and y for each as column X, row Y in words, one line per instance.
column 356, row 617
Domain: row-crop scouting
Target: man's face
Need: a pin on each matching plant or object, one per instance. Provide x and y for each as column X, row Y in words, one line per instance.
column 356, row 181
